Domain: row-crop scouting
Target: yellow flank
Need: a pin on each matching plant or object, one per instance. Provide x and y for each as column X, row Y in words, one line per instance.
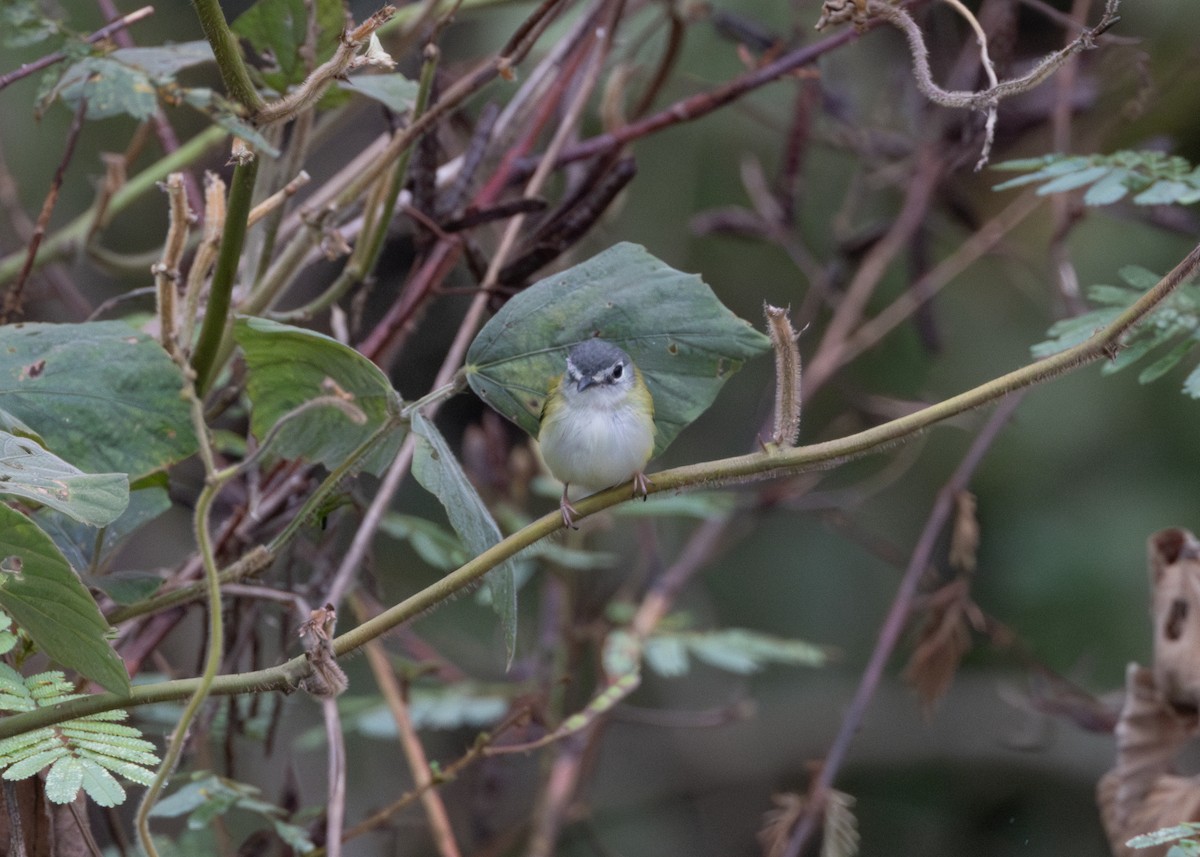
column 600, row 436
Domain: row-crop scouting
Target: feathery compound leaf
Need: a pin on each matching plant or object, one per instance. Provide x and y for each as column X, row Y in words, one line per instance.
column 79, row 752
column 1153, row 178
column 683, row 339
column 208, row 796
column 734, row 650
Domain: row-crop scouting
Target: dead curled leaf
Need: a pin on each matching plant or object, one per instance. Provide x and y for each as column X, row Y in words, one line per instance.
column 839, row 826
column 944, row 638
column 1143, row 793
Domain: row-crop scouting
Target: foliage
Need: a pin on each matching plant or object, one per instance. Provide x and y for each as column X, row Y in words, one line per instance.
column 1182, row 835
column 78, row 753
column 435, row 467
column 288, row 367
column 685, row 342
column 208, row 797
column 46, row 598
column 1154, row 178
column 448, row 233
column 1175, row 324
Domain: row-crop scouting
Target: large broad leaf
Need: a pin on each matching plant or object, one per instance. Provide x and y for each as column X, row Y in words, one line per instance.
column 288, row 366
column 103, row 396
column 682, row 338
column 111, row 88
column 39, row 590
column 277, row 30
column 29, row 471
column 438, row 471
column 147, row 500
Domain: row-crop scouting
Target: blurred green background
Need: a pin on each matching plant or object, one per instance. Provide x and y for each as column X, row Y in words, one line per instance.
column 1087, row 470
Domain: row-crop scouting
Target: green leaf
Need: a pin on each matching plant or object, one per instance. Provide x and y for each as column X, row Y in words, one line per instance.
column 1071, row 331
column 1139, row 278
column 394, row 91
column 1163, row 192
column 224, row 113
column 12, row 425
column 27, row 470
column 682, row 338
column 287, row 367
column 111, row 89
column 1112, row 188
column 456, row 706
column 666, row 655
column 1073, row 180
column 1165, row 835
column 1166, row 363
column 39, row 590
column 78, row 542
column 23, row 23
column 277, row 30
column 432, row 542
column 734, row 650
column 164, row 62
column 435, row 467
column 104, row 397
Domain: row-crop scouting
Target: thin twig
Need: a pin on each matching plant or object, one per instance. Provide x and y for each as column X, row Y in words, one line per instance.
column 410, row 742
column 755, row 467
column 896, row 621
column 13, row 297
column 58, row 56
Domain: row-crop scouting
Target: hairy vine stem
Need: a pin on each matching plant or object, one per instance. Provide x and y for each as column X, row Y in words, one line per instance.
column 763, row 465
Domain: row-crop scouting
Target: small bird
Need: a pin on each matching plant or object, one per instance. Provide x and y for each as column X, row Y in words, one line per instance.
column 597, row 426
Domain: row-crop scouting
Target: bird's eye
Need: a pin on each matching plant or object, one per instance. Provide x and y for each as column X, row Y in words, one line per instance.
column 617, row 370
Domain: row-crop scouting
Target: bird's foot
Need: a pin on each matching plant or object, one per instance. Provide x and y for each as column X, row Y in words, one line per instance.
column 568, row 511
column 641, row 485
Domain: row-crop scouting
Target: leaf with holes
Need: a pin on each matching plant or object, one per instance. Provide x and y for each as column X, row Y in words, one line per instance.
column 103, row 396
column 27, row 470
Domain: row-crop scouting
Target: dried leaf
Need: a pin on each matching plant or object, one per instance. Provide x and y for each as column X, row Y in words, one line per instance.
column 778, row 822
column 943, row 640
column 1142, row 793
column 964, row 537
column 1174, row 563
column 841, row 827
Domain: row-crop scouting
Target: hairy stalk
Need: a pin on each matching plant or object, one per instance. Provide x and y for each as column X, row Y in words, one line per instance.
column 216, row 630
column 741, row 468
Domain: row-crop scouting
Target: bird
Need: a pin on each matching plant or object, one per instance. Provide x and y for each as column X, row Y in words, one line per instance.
column 597, row 423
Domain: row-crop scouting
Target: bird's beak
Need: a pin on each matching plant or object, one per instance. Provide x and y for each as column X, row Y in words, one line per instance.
column 586, row 382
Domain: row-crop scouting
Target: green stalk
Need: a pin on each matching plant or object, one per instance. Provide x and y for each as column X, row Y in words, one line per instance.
column 225, row 48
column 67, row 240
column 216, row 630
column 741, row 468
column 216, row 324
column 370, row 245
